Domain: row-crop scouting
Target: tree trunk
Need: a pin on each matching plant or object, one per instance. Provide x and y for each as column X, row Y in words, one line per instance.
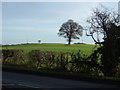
column 69, row 40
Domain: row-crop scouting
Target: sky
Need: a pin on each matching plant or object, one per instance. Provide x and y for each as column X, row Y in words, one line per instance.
column 28, row 22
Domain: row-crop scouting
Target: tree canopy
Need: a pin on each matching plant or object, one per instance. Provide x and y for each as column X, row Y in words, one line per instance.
column 70, row 30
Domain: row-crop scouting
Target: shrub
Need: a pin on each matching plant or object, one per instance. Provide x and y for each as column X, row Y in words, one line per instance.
column 53, row 60
column 48, row 59
column 63, row 61
column 13, row 56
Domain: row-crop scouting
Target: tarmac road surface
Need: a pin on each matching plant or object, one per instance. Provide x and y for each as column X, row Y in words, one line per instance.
column 19, row 80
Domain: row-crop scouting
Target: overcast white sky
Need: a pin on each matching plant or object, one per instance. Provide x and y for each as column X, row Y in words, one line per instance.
column 31, row 21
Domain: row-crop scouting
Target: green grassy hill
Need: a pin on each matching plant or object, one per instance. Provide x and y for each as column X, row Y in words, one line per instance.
column 85, row 48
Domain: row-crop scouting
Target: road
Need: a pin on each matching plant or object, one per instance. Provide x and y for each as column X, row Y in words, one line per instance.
column 18, row 80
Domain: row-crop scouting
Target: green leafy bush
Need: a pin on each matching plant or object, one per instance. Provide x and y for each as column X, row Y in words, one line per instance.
column 48, row 59
column 13, row 56
column 63, row 61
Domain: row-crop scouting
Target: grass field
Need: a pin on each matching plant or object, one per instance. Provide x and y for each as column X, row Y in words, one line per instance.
column 85, row 48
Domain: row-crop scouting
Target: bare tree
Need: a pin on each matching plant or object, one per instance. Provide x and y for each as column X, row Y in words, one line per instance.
column 70, row 30
column 105, row 24
column 100, row 23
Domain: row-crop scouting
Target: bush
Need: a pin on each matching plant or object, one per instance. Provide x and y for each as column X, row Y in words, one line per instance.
column 63, row 61
column 53, row 60
column 13, row 56
column 48, row 59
